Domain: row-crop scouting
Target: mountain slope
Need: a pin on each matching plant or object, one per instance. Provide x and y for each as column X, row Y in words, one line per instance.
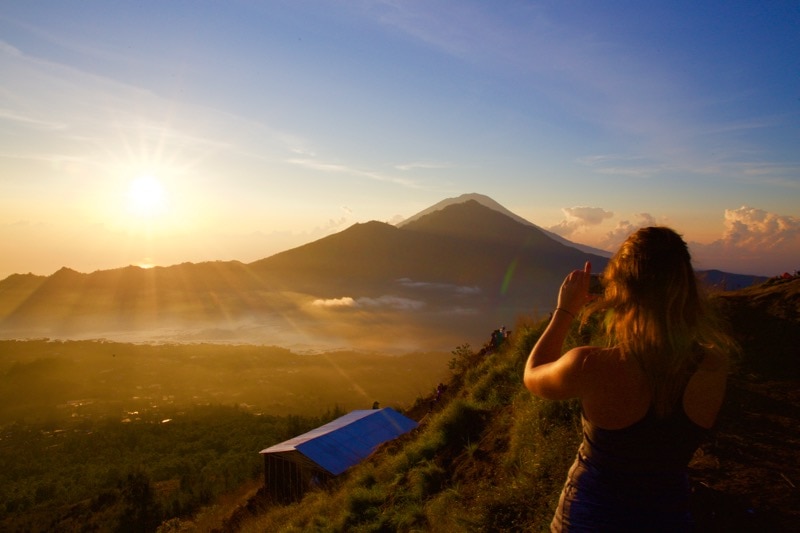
column 16, row 289
column 479, row 198
column 461, row 271
column 491, row 204
column 132, row 303
column 461, row 244
column 765, row 319
column 490, row 457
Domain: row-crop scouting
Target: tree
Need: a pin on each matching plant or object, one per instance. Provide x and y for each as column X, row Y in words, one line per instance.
column 141, row 511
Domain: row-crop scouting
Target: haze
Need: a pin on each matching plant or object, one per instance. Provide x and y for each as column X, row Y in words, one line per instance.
column 154, row 133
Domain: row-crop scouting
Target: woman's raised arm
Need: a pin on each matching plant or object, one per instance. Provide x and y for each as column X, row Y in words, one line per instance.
column 547, row 373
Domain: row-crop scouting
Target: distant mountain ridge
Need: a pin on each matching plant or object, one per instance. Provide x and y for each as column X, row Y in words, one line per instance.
column 446, row 276
column 444, row 246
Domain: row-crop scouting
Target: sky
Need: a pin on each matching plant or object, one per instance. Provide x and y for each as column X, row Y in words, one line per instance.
column 155, row 133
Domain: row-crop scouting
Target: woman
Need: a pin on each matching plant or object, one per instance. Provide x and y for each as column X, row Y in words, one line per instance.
column 647, row 399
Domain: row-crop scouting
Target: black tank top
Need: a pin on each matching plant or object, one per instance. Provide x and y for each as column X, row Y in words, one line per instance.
column 653, row 444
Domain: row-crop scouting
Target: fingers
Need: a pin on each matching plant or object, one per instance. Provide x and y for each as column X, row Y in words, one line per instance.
column 580, row 275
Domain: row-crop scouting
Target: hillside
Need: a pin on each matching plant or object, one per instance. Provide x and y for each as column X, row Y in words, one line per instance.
column 489, row 457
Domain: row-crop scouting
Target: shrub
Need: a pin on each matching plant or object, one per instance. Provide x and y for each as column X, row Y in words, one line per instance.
column 364, row 505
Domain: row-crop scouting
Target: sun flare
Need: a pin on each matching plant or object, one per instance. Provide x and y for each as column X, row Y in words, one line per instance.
column 146, row 197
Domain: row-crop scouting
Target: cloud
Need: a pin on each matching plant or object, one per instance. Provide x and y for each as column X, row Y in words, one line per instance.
column 7, row 114
column 386, row 301
column 8, row 49
column 423, row 165
column 391, row 302
column 754, row 241
column 757, row 229
column 624, row 228
column 344, row 169
column 115, row 122
column 631, row 166
column 396, row 219
column 331, row 226
column 579, row 218
column 462, row 311
column 448, row 287
column 335, row 302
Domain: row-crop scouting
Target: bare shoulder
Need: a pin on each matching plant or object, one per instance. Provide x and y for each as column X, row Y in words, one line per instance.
column 615, row 394
column 604, row 366
column 705, row 391
column 564, row 378
column 599, row 360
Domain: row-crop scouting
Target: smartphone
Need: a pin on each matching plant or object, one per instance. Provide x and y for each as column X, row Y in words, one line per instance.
column 596, row 284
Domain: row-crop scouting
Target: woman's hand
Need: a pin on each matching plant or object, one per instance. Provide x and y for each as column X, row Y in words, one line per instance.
column 548, row 374
column 574, row 292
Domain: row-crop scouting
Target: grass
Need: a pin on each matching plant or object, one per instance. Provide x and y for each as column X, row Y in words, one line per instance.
column 490, row 458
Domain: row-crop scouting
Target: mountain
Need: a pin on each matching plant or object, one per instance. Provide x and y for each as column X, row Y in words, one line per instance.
column 727, row 281
column 491, row 204
column 69, row 304
column 444, row 277
column 462, row 245
column 462, row 271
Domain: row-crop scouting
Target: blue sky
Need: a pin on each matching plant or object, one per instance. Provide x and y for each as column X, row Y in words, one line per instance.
column 161, row 132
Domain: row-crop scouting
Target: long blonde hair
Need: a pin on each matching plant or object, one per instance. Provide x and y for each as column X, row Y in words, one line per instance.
column 654, row 312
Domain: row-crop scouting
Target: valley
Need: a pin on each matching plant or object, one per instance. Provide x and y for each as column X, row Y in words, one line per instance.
column 87, row 425
column 135, row 389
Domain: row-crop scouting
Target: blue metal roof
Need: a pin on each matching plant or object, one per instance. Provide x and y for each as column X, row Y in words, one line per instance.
column 346, row 441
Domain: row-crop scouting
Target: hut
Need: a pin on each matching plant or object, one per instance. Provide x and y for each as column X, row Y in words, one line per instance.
column 313, row 458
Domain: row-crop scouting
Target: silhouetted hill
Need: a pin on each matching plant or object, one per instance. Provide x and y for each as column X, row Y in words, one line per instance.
column 69, row 302
column 16, row 289
column 730, row 282
column 765, row 319
column 363, row 254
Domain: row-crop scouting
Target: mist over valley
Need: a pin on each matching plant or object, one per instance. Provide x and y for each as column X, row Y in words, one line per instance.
column 447, row 276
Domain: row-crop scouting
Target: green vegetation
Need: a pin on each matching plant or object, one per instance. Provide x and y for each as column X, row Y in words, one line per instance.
column 115, row 475
column 120, row 437
column 490, row 458
column 116, row 437
column 51, row 380
column 123, row 437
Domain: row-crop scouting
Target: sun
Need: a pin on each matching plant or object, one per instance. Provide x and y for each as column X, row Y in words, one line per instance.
column 146, row 197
